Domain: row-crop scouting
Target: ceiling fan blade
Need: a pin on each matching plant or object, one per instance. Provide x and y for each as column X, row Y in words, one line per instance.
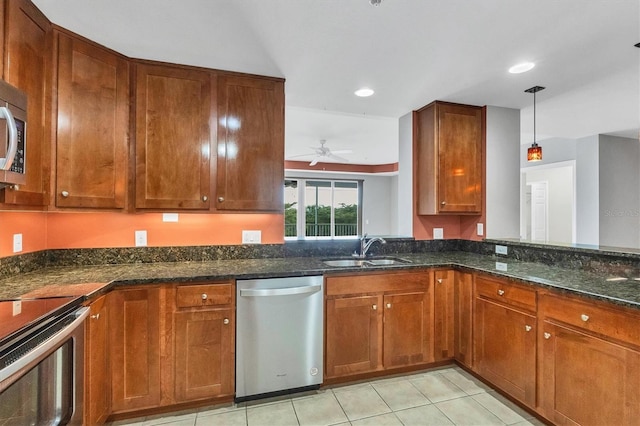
column 335, row 157
column 342, row 151
column 301, row 155
column 314, row 162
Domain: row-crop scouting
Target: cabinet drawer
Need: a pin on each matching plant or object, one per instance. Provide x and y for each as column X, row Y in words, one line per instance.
column 610, row 322
column 188, row 296
column 506, row 292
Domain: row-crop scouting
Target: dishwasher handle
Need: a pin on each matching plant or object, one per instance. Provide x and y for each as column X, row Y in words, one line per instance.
column 285, row 291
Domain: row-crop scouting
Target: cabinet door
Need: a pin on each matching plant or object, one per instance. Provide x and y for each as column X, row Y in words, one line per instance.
column 459, row 159
column 505, row 348
column 93, row 118
column 134, row 323
column 97, row 383
column 250, row 173
column 204, row 354
column 587, row 381
column 27, row 65
column 408, row 329
column 173, row 109
column 464, row 318
column 353, row 335
column 443, row 295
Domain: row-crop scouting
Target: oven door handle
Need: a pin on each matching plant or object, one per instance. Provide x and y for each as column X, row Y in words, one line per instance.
column 47, row 346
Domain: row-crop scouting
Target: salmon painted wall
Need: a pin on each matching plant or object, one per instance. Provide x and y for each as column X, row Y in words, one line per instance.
column 59, row 230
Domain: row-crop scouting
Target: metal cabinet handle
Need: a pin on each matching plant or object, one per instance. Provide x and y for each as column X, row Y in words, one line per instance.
column 225, row 321
column 500, row 292
column 439, row 280
column 527, row 328
column 65, row 194
column 96, row 316
column 388, row 305
column 374, row 307
column 584, row 317
column 443, row 203
column 221, row 199
column 204, row 296
column 205, row 198
column 547, row 336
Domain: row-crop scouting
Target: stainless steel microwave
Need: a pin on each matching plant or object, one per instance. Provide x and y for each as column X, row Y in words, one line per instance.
column 13, row 128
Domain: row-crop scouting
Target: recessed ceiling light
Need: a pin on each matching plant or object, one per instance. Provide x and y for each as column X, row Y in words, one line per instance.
column 364, row 92
column 523, row 67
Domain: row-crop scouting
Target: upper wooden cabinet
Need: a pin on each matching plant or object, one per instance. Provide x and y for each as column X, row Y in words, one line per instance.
column 173, row 137
column 27, row 65
column 448, row 158
column 92, row 131
column 250, row 173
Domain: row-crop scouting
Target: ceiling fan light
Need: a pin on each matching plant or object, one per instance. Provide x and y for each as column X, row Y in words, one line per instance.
column 534, row 153
column 523, row 67
column 364, row 92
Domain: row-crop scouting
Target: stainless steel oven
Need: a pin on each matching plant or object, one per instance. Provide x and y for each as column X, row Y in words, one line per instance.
column 42, row 363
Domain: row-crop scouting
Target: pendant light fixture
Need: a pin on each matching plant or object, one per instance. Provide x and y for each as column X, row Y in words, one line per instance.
column 534, row 153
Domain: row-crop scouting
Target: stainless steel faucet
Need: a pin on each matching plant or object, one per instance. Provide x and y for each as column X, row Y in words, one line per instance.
column 366, row 245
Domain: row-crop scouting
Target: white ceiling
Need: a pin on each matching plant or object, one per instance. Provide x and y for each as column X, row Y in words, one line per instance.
column 410, row 51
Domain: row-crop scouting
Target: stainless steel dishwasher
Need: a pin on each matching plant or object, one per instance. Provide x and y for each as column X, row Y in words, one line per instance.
column 279, row 335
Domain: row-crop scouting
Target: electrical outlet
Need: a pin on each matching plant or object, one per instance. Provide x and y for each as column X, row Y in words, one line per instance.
column 170, row 217
column 480, row 229
column 251, row 237
column 501, row 266
column 17, row 307
column 17, row 243
column 501, row 249
column 438, row 233
column 141, row 238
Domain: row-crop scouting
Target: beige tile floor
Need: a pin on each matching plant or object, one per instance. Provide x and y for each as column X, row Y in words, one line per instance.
column 447, row 396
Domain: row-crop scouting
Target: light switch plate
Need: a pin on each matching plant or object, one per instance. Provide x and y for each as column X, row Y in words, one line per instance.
column 480, row 229
column 501, row 249
column 251, row 237
column 141, row 238
column 17, row 243
column 170, row 217
column 438, row 233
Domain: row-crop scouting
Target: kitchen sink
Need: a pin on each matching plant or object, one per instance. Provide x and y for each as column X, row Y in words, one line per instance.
column 363, row 263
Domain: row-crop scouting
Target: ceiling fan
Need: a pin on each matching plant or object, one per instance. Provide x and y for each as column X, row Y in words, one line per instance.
column 323, row 152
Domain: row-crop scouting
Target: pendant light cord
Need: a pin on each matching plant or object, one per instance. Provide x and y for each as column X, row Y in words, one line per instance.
column 534, row 118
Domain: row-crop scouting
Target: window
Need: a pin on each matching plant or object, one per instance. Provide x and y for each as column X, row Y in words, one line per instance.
column 317, row 208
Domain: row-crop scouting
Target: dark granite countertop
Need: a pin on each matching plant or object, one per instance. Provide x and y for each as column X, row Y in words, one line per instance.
column 95, row 280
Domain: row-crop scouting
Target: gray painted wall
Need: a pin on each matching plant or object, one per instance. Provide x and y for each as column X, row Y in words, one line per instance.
column 619, row 194
column 404, row 203
column 503, row 173
column 587, row 190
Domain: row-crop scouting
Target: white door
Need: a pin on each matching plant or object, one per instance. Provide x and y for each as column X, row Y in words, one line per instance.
column 539, row 225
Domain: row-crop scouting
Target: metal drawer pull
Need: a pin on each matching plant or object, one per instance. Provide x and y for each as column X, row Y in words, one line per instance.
column 439, row 280
column 96, row 316
column 225, row 321
column 500, row 292
column 375, row 307
column 547, row 335
column 527, row 328
column 221, row 199
column 65, row 194
column 388, row 305
column 584, row 317
column 204, row 296
column 205, row 198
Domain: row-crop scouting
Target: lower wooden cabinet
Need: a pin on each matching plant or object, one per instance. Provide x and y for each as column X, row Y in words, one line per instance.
column 585, row 377
column 505, row 338
column 204, row 342
column 444, row 311
column 171, row 344
column 378, row 321
column 134, row 324
column 97, row 383
column 463, row 318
